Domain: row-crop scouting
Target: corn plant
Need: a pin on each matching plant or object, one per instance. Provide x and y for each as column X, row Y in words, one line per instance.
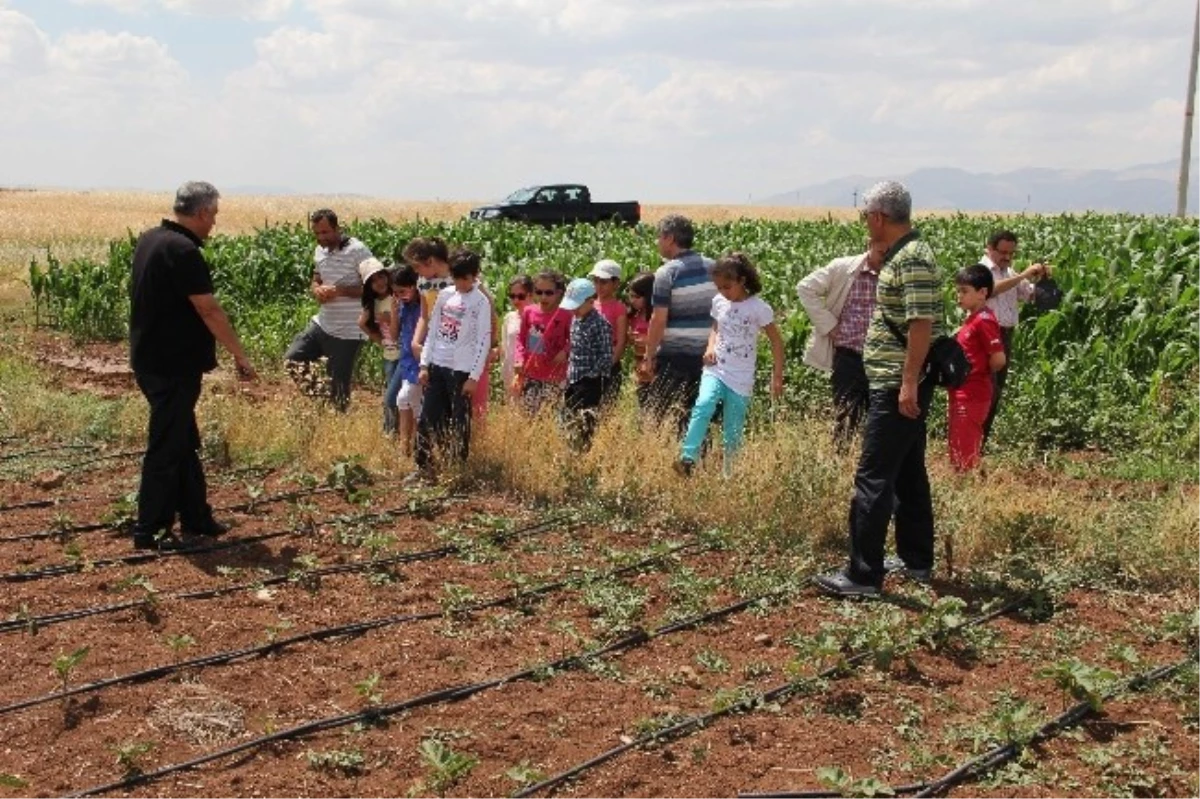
column 64, row 665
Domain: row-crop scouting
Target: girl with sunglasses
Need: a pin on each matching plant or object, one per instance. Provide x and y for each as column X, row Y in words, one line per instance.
column 520, row 294
column 543, row 344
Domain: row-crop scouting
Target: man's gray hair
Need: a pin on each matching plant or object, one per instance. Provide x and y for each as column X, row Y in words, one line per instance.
column 890, row 199
column 679, row 228
column 195, row 196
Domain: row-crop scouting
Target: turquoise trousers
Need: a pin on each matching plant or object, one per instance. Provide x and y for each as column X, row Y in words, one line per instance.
column 734, row 407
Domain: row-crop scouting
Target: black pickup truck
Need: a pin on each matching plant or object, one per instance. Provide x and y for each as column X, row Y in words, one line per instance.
column 558, row 205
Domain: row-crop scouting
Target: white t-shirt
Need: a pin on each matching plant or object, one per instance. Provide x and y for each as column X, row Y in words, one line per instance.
column 738, row 325
column 512, row 328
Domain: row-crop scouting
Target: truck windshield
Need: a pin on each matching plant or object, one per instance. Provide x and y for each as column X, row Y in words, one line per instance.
column 521, row 196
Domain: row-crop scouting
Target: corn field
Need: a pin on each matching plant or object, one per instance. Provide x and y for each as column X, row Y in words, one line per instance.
column 1115, row 367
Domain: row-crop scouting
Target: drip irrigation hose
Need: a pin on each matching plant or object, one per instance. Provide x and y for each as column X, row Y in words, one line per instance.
column 101, row 458
column 338, row 631
column 451, row 694
column 12, row 456
column 49, row 619
column 1002, row 754
column 142, row 557
column 37, row 503
column 778, row 694
column 239, row 507
column 978, row 766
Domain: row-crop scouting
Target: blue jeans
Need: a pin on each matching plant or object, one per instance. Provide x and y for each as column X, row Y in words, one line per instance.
column 734, row 406
column 394, row 378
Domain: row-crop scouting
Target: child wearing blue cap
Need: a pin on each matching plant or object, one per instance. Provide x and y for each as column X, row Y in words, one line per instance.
column 589, row 365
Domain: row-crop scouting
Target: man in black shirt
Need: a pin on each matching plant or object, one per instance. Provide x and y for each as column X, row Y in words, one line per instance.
column 174, row 324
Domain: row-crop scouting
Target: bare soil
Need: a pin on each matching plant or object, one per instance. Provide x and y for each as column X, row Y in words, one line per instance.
column 910, row 721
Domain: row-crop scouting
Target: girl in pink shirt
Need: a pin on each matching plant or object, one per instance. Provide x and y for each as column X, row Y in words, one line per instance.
column 543, row 344
column 640, row 289
column 606, row 277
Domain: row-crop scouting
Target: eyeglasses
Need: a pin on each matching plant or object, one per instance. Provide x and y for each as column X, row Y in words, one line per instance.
column 545, row 292
column 517, row 295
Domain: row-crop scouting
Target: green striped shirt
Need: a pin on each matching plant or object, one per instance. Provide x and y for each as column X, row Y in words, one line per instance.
column 908, row 289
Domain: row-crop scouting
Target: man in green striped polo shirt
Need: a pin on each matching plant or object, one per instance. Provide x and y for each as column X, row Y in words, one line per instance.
column 891, row 479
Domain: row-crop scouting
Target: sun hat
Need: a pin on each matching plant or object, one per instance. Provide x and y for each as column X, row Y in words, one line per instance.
column 579, row 291
column 368, row 268
column 607, row 269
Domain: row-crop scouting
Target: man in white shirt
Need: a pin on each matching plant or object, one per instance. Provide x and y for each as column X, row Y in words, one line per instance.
column 839, row 299
column 333, row 333
column 1011, row 289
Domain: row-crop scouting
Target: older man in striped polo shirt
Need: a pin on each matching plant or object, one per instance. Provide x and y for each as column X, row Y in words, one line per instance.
column 679, row 323
column 333, row 333
column 891, row 479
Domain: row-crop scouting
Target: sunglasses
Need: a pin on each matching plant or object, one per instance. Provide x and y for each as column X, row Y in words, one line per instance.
column 545, row 292
column 517, row 295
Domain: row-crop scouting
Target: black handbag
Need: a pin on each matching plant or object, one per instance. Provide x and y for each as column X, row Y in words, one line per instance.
column 946, row 363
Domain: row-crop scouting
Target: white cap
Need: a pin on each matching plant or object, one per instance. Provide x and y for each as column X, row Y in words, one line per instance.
column 368, row 268
column 607, row 269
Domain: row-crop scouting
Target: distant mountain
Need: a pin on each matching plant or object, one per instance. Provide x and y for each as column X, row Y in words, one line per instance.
column 1143, row 189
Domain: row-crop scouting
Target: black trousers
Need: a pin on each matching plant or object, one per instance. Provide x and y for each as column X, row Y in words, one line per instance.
column 851, row 395
column 445, row 421
column 581, row 410
column 313, row 343
column 172, row 475
column 891, row 480
column 998, row 381
column 673, row 392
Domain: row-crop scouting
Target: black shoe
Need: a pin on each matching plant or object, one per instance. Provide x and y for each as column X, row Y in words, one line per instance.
column 683, row 467
column 161, row 543
column 894, row 565
column 839, row 584
column 212, row 529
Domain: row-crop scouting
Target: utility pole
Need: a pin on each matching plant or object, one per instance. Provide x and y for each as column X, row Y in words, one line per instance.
column 856, row 190
column 1189, row 110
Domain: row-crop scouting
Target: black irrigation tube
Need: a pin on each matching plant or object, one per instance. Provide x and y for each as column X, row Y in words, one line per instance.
column 12, row 456
column 70, row 467
column 142, row 557
column 37, row 503
column 325, row 633
column 451, row 694
column 692, row 723
column 1002, row 754
column 49, row 619
column 978, row 766
column 46, row 503
column 239, row 507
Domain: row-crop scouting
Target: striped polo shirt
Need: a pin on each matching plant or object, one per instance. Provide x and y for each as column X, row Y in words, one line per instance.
column 339, row 316
column 909, row 288
column 685, row 288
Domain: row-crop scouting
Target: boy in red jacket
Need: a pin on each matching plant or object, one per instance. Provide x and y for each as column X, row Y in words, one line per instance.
column 981, row 341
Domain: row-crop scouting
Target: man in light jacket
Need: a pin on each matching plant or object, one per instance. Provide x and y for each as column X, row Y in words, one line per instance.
column 839, row 299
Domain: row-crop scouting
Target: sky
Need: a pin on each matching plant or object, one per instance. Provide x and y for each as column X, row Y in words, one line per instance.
column 668, row 101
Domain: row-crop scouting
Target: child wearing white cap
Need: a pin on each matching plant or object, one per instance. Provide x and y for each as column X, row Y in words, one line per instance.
column 606, row 276
column 377, row 322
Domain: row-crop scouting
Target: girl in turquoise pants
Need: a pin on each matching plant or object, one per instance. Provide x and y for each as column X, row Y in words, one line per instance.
column 739, row 315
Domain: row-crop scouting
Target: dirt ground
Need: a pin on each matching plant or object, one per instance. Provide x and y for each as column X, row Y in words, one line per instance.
column 908, row 721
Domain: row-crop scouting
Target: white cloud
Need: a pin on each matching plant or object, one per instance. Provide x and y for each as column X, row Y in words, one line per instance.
column 238, row 9
column 669, row 100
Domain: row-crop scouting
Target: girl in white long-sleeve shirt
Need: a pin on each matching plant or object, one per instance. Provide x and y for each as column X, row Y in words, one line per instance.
column 454, row 357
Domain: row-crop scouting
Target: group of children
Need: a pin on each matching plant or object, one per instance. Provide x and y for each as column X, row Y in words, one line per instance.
column 563, row 345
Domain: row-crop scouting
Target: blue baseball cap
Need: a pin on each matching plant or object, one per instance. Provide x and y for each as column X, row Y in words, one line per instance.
column 579, row 291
